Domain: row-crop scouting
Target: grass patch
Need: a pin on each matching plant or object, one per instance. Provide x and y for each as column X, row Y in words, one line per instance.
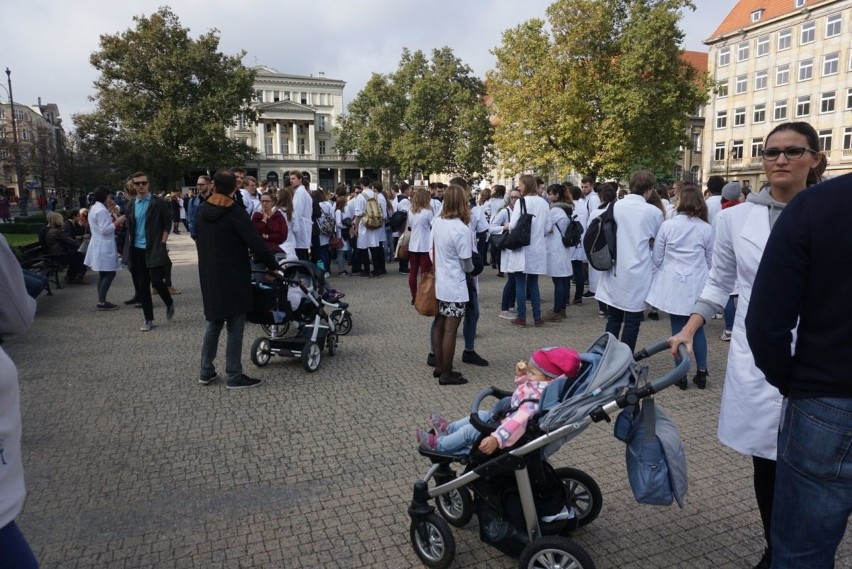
column 20, row 239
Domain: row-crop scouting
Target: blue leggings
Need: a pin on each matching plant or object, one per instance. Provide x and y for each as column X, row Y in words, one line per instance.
column 15, row 552
column 699, row 341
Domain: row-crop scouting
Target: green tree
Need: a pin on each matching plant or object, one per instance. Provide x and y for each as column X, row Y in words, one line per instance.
column 600, row 88
column 164, row 100
column 428, row 116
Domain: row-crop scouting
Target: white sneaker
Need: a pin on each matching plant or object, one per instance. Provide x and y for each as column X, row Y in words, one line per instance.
column 506, row 314
column 146, row 327
column 726, row 335
column 718, row 316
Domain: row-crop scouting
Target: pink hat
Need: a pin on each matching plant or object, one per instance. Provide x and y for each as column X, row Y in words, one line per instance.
column 554, row 362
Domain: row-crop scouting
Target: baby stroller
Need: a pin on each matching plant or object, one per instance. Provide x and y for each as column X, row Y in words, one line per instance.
column 526, row 508
column 297, row 294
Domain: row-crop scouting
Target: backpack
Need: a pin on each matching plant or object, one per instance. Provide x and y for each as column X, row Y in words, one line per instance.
column 327, row 225
column 599, row 241
column 397, row 220
column 373, row 216
column 573, row 233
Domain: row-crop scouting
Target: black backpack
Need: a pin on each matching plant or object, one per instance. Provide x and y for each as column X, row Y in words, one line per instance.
column 599, row 241
column 573, row 234
column 397, row 220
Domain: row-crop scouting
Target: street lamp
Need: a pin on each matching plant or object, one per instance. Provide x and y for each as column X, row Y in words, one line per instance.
column 22, row 196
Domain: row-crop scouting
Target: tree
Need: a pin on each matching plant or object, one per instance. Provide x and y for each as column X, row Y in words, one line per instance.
column 428, row 116
column 164, row 100
column 604, row 91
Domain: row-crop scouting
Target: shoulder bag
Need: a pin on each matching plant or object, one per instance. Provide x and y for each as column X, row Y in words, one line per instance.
column 519, row 236
column 425, row 301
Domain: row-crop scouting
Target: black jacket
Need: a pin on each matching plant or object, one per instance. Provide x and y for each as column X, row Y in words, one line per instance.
column 805, row 275
column 224, row 237
column 157, row 220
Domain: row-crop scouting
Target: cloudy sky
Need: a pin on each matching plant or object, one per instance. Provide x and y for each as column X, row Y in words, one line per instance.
column 47, row 43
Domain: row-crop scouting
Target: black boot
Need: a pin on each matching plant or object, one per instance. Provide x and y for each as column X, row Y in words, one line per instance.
column 765, row 561
column 700, row 379
column 683, row 384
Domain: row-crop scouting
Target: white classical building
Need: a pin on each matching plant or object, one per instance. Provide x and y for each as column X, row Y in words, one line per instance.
column 773, row 62
column 295, row 129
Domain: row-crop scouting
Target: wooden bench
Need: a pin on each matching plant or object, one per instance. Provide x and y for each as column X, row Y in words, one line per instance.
column 33, row 259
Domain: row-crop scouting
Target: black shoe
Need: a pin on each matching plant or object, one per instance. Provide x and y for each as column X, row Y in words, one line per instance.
column 363, row 274
column 404, row 272
column 683, row 384
column 170, row 311
column 471, row 357
column 243, row 382
column 588, row 294
column 765, row 561
column 107, row 306
column 452, row 380
column 207, row 380
column 430, row 360
column 654, row 315
column 700, row 379
column 436, row 374
column 137, row 305
column 131, row 301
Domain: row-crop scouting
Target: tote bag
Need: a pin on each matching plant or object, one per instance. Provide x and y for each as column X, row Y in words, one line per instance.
column 519, row 236
column 425, row 302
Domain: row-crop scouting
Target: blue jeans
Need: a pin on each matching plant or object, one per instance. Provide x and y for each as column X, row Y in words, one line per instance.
column 471, row 319
column 730, row 312
column 233, row 347
column 15, row 552
column 699, row 341
column 508, row 294
column 461, row 435
column 522, row 282
column 631, row 320
column 813, row 482
column 560, row 292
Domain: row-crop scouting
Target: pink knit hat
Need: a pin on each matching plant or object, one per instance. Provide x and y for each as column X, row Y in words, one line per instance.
column 557, row 361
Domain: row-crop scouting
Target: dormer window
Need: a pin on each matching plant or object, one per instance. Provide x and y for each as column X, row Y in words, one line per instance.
column 755, row 16
column 798, row 3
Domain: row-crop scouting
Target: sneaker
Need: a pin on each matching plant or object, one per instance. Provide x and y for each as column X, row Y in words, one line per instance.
column 242, row 382
column 364, row 275
column 430, row 360
column 700, row 379
column 506, row 314
column 538, row 323
column 726, row 335
column 588, row 294
column 137, row 305
column 452, row 380
column 718, row 316
column 207, row 380
column 654, row 315
column 146, row 327
column 404, row 271
column 170, row 311
column 471, row 357
column 426, row 440
column 107, row 306
column 441, row 425
column 501, row 275
column 577, row 301
column 601, row 314
column 342, row 274
column 131, row 301
column 521, row 323
column 173, row 291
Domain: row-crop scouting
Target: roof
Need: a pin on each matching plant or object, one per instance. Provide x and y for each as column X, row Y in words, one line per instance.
column 266, row 71
column 740, row 16
column 697, row 59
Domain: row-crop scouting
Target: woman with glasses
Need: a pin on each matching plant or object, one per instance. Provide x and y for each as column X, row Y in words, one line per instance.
column 270, row 224
column 751, row 407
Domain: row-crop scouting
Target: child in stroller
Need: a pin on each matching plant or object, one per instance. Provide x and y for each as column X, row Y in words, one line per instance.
column 513, row 413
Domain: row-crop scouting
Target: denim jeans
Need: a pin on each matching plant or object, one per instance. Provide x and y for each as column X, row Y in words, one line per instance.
column 233, row 347
column 730, row 312
column 579, row 279
column 813, row 483
column 508, row 293
column 560, row 292
column 461, row 435
column 104, row 282
column 631, row 320
column 471, row 318
column 699, row 341
column 15, row 552
column 522, row 282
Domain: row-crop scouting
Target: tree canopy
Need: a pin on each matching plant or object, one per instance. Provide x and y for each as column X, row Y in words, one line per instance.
column 601, row 87
column 164, row 100
column 428, row 116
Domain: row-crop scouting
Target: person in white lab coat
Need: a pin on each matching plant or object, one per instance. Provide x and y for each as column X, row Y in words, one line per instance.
column 301, row 215
column 751, row 408
column 579, row 264
column 608, row 193
column 624, row 287
column 714, row 200
column 681, row 258
column 558, row 256
column 102, row 255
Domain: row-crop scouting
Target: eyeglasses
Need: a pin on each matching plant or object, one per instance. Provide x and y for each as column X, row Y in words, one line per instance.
column 265, row 201
column 792, row 153
column 145, row 183
column 514, row 197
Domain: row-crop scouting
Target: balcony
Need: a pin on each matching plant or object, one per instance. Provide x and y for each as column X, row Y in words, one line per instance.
column 306, row 157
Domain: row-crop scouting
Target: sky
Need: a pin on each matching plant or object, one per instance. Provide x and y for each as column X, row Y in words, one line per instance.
column 47, row 43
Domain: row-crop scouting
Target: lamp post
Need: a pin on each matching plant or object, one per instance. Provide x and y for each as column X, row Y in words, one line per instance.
column 22, row 196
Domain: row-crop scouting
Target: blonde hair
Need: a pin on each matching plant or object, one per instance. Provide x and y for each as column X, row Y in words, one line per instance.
column 455, row 204
column 421, row 199
column 54, row 219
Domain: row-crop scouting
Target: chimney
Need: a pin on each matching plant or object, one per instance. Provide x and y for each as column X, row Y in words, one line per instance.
column 322, row 73
column 39, row 101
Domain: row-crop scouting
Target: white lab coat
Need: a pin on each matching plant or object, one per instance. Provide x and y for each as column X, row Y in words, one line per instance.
column 369, row 238
column 532, row 259
column 301, row 224
column 594, row 274
column 581, row 210
column 714, row 206
column 751, row 407
column 627, row 284
column 498, row 220
column 421, row 225
column 340, row 231
column 102, row 254
column 682, row 252
column 558, row 256
column 289, row 244
column 452, row 242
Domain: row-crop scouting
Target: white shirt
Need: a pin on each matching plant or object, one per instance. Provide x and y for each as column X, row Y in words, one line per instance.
column 627, row 284
column 451, row 238
column 421, row 226
column 302, row 208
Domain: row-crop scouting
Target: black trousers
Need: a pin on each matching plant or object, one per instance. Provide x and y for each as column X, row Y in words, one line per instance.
column 378, row 256
column 145, row 278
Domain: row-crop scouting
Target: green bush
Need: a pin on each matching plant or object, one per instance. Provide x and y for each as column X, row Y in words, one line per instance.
column 19, row 228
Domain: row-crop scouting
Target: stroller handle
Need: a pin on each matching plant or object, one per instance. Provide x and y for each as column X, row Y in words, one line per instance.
column 679, row 372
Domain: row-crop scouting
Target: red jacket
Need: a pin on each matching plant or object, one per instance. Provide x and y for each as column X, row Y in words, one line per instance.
column 273, row 231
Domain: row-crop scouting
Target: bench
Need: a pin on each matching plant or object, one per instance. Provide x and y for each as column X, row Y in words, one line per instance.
column 33, row 259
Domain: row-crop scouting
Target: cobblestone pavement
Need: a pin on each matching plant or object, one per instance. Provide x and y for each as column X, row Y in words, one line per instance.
column 131, row 463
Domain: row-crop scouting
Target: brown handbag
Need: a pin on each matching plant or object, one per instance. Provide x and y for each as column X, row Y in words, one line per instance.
column 402, row 246
column 425, row 302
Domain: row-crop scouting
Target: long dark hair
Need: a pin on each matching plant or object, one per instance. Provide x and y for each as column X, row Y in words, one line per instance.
column 809, row 132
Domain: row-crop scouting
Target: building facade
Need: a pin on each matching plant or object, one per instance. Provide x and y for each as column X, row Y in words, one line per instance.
column 775, row 61
column 688, row 169
column 295, row 129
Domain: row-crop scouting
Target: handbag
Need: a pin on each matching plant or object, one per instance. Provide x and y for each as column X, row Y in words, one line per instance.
column 84, row 246
column 497, row 239
column 402, row 245
column 425, row 301
column 519, row 236
column 335, row 243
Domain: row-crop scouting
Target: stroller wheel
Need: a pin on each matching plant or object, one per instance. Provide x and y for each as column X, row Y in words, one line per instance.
column 275, row 330
column 456, row 506
column 554, row 551
column 311, row 356
column 260, row 354
column 585, row 494
column 342, row 321
column 433, row 541
column 331, row 342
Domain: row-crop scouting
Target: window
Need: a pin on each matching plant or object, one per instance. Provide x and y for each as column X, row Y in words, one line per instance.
column 847, row 138
column 785, row 39
column 304, row 101
column 696, row 141
column 721, row 119
column 742, row 51
column 25, row 134
column 806, row 70
column 241, row 121
column 19, row 115
column 849, row 99
column 285, row 144
column 782, row 75
column 737, row 150
column 825, row 140
column 798, row 3
column 761, row 79
column 694, row 173
column 2, row 113
column 322, row 123
column 258, row 96
column 780, row 110
column 321, row 147
column 830, row 64
column 832, row 25
column 724, row 56
column 755, row 16
column 268, row 148
column 803, row 106
column 760, row 113
column 826, row 102
column 722, row 89
column 741, row 85
column 739, row 117
column 756, row 147
column 302, row 146
column 762, row 46
column 719, row 152
column 808, row 32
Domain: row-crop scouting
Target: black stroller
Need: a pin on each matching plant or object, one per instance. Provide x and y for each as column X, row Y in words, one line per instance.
column 527, row 508
column 297, row 296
